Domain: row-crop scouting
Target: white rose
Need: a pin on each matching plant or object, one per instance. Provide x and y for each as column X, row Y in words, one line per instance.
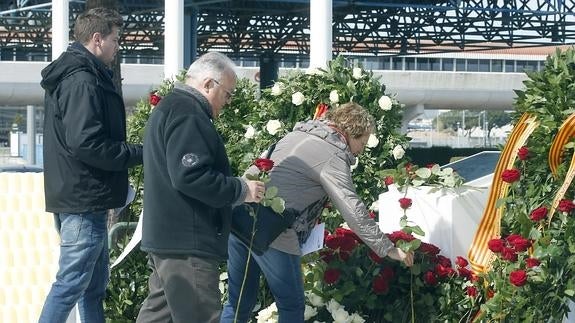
column 357, row 73
column 385, row 102
column 250, row 132
column 398, row 152
column 372, row 141
column 374, row 206
column 277, row 89
column 315, row 300
column 332, row 305
column 309, row 312
column 340, row 316
column 297, row 98
column 333, row 96
column 273, row 126
column 356, row 318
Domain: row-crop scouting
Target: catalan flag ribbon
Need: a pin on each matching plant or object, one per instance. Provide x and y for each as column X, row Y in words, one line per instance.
column 320, row 111
column 479, row 254
column 566, row 132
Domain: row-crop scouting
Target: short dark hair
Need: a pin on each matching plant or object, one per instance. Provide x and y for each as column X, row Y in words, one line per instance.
column 96, row 20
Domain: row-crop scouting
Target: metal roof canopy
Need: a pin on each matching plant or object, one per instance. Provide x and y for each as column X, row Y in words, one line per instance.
column 281, row 28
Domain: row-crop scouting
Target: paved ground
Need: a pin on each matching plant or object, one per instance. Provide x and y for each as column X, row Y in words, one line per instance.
column 6, row 159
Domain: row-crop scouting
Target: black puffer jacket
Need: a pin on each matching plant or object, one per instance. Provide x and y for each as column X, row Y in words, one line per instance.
column 86, row 157
column 189, row 188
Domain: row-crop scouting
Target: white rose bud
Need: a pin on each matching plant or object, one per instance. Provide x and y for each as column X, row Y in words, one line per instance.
column 250, row 132
column 332, row 305
column 357, row 73
column 333, row 96
column 372, row 141
column 385, row 102
column 277, row 89
column 297, row 98
column 398, row 152
column 273, row 126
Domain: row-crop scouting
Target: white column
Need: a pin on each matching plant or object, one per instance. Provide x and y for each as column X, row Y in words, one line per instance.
column 31, row 134
column 320, row 33
column 60, row 27
column 174, row 38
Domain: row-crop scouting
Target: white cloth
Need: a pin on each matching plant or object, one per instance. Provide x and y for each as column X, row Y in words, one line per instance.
column 448, row 217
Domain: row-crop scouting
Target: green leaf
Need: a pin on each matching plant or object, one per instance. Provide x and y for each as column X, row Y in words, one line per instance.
column 278, row 205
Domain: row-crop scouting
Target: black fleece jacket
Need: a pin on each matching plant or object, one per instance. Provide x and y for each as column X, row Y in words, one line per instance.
column 189, row 188
column 86, row 157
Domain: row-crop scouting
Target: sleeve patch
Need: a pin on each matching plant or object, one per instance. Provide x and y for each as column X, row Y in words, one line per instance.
column 189, row 160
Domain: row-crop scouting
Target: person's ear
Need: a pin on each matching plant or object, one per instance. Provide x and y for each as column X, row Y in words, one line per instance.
column 97, row 39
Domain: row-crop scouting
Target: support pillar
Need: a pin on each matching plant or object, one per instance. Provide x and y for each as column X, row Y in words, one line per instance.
column 173, row 38
column 268, row 70
column 320, row 48
column 190, row 36
column 31, row 134
column 60, row 27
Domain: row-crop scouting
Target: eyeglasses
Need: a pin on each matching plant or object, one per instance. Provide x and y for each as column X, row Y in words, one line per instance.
column 228, row 93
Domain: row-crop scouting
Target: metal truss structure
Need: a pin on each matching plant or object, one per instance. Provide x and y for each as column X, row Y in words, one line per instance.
column 281, row 27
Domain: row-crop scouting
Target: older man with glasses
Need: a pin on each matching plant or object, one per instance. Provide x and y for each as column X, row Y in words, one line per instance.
column 189, row 194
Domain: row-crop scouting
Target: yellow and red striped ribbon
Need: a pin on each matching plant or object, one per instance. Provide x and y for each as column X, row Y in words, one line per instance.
column 479, row 254
column 565, row 133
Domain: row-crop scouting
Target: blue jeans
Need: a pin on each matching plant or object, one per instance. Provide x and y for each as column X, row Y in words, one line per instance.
column 282, row 272
column 83, row 268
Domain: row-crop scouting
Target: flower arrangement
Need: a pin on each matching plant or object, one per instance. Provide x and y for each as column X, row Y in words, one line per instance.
column 531, row 277
column 367, row 287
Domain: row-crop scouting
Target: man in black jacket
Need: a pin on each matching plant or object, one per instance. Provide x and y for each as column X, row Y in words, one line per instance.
column 86, row 161
column 189, row 193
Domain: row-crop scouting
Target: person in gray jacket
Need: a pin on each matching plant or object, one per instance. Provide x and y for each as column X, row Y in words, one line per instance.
column 312, row 165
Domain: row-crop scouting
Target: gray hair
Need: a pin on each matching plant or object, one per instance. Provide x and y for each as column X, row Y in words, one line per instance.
column 211, row 65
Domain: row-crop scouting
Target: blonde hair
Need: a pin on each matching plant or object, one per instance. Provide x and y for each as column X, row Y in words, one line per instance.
column 352, row 119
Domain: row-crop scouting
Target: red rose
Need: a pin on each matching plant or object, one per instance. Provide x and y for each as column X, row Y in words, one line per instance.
column 429, row 249
column 523, row 153
column 443, row 271
column 388, row 180
column 520, row 244
column 566, row 205
column 518, row 277
column 508, row 254
column 465, row 273
column 347, row 243
column 405, row 203
column 400, row 235
column 496, row 245
column 429, row 278
column 461, row 262
column 331, row 276
column 372, row 215
column 538, row 214
column 380, row 285
column 264, row 164
column 444, row 261
column 471, row 291
column 154, row 98
column 332, row 241
column 532, row 262
column 511, row 175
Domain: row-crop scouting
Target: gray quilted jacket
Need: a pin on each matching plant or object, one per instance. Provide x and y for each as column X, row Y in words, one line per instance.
column 312, row 165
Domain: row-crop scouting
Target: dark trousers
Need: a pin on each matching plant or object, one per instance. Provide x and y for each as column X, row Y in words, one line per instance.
column 182, row 289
